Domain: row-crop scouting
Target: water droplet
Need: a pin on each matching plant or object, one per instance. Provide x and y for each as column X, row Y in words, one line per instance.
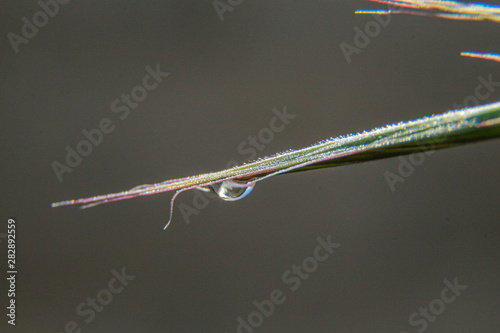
column 231, row 190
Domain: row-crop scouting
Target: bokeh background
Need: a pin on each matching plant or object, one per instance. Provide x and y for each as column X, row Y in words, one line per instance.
column 226, row 77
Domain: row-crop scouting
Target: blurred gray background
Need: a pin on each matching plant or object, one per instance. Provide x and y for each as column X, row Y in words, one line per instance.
column 226, row 77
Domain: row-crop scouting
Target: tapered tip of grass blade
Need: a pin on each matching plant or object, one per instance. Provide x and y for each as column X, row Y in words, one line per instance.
column 373, row 12
column 486, row 56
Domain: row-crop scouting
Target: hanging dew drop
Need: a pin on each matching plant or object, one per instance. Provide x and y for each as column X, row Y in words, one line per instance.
column 231, row 190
